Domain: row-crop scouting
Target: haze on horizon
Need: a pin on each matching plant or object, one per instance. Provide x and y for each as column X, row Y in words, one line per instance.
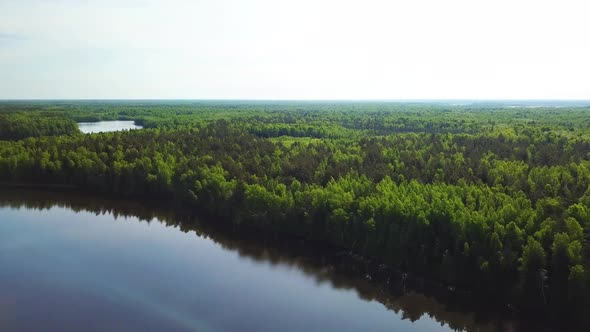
column 265, row 49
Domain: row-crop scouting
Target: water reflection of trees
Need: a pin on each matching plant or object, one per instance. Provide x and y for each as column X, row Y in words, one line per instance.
column 412, row 299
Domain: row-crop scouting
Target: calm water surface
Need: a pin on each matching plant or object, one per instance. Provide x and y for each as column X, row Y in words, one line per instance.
column 95, row 270
column 105, row 126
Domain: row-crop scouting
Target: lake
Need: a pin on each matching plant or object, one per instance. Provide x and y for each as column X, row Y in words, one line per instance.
column 106, row 126
column 75, row 263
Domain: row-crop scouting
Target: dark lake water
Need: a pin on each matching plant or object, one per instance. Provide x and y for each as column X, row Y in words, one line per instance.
column 75, row 263
column 105, row 126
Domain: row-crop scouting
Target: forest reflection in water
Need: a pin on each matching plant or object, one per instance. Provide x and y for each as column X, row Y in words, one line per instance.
column 411, row 298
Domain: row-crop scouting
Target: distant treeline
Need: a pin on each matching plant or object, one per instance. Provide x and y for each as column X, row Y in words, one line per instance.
column 496, row 201
column 15, row 126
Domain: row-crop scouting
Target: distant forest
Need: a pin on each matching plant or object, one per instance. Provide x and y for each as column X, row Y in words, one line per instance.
column 486, row 198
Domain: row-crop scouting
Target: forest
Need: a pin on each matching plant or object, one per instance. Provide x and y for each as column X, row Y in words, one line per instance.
column 486, row 198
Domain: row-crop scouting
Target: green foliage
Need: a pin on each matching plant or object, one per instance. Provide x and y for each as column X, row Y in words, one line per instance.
column 490, row 199
column 18, row 125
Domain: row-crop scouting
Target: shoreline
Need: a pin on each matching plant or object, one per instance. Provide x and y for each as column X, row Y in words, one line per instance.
column 350, row 263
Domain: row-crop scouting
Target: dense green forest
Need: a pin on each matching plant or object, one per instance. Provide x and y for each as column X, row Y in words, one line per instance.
column 486, row 198
column 15, row 126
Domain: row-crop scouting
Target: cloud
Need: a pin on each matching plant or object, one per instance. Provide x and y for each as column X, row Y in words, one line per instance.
column 7, row 39
column 294, row 49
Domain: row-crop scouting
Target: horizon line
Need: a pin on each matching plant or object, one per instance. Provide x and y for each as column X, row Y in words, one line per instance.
column 302, row 99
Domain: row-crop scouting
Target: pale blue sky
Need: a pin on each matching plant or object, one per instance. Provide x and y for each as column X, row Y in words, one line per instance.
column 304, row 49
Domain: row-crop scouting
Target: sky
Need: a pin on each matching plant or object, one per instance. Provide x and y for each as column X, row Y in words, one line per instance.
column 303, row 49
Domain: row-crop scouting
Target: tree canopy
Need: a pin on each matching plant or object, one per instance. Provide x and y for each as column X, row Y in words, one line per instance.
column 485, row 198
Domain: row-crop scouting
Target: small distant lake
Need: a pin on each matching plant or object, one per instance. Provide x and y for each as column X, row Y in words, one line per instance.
column 106, row 126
